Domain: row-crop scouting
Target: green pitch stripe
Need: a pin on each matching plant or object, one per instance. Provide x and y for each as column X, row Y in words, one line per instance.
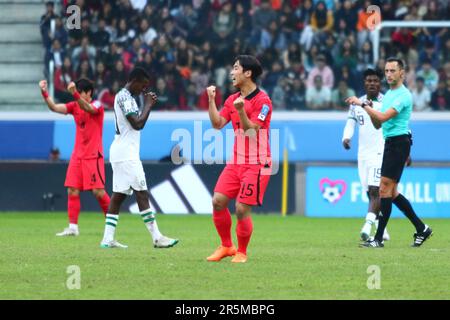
column 111, row 224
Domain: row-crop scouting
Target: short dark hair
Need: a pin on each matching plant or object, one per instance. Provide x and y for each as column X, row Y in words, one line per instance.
column 249, row 62
column 372, row 72
column 400, row 62
column 85, row 85
column 420, row 79
column 139, row 74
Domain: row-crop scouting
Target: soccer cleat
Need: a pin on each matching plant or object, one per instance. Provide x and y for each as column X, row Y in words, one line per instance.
column 165, row 242
column 372, row 244
column 421, row 237
column 239, row 258
column 68, row 232
column 222, row 252
column 112, row 244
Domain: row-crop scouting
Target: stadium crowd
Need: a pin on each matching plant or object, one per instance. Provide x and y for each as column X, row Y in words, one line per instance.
column 314, row 51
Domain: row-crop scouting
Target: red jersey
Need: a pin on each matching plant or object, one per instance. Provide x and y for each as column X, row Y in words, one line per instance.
column 250, row 149
column 89, row 130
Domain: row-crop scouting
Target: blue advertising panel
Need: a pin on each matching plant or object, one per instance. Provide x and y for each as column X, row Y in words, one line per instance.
column 337, row 192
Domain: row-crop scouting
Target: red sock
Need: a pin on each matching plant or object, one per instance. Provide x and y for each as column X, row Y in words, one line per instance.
column 222, row 221
column 104, row 203
column 73, row 208
column 244, row 231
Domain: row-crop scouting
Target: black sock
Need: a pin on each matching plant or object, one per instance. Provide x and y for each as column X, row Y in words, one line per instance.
column 386, row 208
column 405, row 206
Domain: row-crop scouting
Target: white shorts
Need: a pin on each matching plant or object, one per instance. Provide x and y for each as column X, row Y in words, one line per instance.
column 370, row 172
column 128, row 176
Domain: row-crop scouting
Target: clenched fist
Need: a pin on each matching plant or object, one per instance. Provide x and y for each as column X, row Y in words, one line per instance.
column 43, row 85
column 239, row 103
column 211, row 90
column 71, row 87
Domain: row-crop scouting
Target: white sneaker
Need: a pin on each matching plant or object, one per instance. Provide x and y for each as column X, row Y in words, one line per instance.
column 365, row 231
column 164, row 242
column 68, row 232
column 112, row 244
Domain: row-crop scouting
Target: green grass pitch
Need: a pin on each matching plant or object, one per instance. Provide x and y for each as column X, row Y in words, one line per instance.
column 289, row 258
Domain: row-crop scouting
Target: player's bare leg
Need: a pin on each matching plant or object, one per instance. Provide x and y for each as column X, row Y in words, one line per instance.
column 112, row 218
column 222, row 222
column 244, row 231
column 159, row 240
column 73, row 211
column 103, row 199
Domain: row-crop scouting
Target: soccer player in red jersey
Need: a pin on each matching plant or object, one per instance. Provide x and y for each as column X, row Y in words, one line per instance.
column 86, row 169
column 245, row 178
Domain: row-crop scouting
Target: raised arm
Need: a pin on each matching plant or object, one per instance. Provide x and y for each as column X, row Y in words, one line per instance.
column 86, row 106
column 217, row 121
column 138, row 121
column 245, row 121
column 58, row 108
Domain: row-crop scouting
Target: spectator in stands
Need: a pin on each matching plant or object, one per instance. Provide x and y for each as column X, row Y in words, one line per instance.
column 101, row 76
column 318, row 97
column 62, row 77
column 322, row 19
column 84, row 52
column 147, row 33
column 347, row 56
column 440, row 99
column 289, row 23
column 60, row 34
column 101, row 37
column 262, row 17
column 107, row 95
column 429, row 54
column 365, row 57
column 324, row 71
column 362, row 25
column 119, row 74
column 56, row 53
column 339, row 95
column 273, row 37
column 270, row 80
column 45, row 22
column 421, row 96
column 184, row 58
column 278, row 95
column 225, row 21
column 84, row 70
column 243, row 23
column 292, row 54
column 124, row 33
column 429, row 74
column 295, row 95
column 348, row 14
column 166, row 98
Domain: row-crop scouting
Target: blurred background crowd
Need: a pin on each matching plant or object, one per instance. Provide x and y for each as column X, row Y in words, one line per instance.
column 313, row 52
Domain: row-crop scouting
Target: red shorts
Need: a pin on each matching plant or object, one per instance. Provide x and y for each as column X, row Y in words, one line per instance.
column 86, row 174
column 245, row 182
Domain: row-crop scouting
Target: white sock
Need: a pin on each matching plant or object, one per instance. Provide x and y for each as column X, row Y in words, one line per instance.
column 73, row 226
column 371, row 218
column 110, row 227
column 150, row 222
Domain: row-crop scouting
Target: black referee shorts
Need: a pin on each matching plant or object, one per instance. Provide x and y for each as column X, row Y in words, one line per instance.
column 396, row 152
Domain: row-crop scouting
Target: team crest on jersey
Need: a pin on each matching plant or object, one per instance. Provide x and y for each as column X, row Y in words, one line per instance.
column 264, row 111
